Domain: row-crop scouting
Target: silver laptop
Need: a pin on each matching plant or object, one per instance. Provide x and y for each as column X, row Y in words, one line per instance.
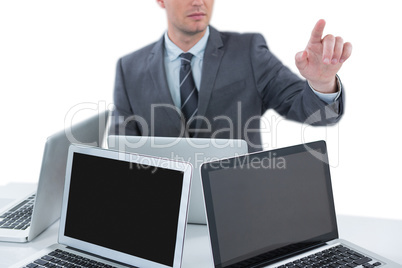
column 119, row 210
column 193, row 150
column 276, row 209
column 25, row 218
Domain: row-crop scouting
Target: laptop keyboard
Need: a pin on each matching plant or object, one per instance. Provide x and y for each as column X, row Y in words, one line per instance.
column 339, row 256
column 18, row 217
column 59, row 258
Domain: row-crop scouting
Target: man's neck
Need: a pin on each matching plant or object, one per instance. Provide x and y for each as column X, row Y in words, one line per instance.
column 185, row 41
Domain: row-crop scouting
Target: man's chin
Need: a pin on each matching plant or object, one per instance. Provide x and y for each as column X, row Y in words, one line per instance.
column 196, row 29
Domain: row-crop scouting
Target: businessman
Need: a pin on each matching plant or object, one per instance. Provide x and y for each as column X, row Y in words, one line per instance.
column 199, row 82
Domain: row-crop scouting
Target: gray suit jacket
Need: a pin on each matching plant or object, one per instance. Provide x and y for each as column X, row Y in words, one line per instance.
column 241, row 79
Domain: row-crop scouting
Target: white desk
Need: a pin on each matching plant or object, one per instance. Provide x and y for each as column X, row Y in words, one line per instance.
column 378, row 235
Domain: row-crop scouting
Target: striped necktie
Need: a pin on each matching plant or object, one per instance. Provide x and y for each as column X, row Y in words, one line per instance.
column 188, row 90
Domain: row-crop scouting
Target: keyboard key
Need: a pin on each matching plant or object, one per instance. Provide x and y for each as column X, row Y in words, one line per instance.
column 362, row 260
column 348, row 260
column 336, row 257
column 62, row 259
column 342, row 249
column 18, row 206
column 358, row 254
column 368, row 265
column 55, row 260
column 47, row 258
column 63, row 263
column 40, row 262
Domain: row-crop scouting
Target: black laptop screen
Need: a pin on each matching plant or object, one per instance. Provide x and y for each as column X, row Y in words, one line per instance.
column 267, row 205
column 125, row 207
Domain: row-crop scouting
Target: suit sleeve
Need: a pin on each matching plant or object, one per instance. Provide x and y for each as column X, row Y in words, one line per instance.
column 123, row 119
column 285, row 92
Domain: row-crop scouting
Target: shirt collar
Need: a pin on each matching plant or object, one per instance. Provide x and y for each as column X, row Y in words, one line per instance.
column 173, row 51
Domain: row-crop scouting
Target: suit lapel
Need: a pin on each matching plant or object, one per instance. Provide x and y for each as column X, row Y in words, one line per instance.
column 157, row 72
column 212, row 59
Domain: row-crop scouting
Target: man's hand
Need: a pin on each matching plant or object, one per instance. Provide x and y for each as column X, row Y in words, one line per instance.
column 322, row 59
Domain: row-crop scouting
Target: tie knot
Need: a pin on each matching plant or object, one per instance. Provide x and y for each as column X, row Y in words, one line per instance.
column 186, row 58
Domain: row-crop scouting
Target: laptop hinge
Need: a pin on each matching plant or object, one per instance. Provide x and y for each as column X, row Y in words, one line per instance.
column 100, row 257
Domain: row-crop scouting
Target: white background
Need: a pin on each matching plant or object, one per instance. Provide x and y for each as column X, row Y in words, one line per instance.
column 55, row 55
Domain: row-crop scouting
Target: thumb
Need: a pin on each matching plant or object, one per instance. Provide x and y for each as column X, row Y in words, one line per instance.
column 301, row 60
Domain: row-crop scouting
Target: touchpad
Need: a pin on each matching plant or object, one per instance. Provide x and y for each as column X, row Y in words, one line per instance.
column 4, row 202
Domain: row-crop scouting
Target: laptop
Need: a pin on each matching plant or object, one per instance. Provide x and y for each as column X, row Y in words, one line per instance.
column 193, row 150
column 119, row 210
column 24, row 218
column 276, row 209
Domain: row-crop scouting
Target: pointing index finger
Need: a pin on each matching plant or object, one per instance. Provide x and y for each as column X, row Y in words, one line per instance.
column 316, row 34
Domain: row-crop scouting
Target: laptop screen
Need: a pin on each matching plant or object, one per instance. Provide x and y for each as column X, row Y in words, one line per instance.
column 126, row 207
column 267, row 205
column 193, row 150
